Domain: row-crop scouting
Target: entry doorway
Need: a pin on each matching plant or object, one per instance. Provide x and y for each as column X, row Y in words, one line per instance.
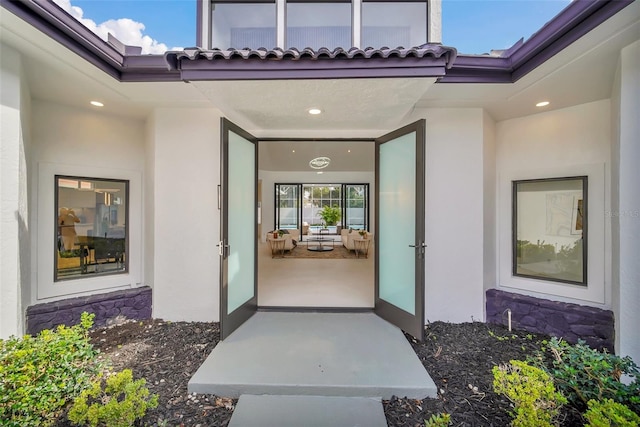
column 292, row 196
column 399, row 220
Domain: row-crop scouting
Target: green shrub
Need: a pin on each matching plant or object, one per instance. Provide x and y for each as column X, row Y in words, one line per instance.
column 584, row 374
column 440, row 420
column 610, row 414
column 40, row 375
column 122, row 402
column 531, row 390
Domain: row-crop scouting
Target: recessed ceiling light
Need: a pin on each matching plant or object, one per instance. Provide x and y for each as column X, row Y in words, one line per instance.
column 348, row 151
column 293, row 151
column 97, row 104
column 319, row 172
column 542, row 104
column 314, row 111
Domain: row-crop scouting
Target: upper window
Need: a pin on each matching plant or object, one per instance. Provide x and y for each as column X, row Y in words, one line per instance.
column 317, row 25
column 550, row 229
column 394, row 24
column 238, row 24
column 243, row 25
column 91, row 227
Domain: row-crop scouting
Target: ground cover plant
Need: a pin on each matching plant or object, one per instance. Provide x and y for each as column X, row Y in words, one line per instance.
column 459, row 357
column 39, row 375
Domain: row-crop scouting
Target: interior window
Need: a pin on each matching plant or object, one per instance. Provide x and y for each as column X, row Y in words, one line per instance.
column 91, row 227
column 550, row 229
column 243, row 25
column 394, row 24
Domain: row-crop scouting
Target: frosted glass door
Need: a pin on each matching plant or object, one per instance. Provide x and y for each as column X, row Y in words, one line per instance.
column 238, row 247
column 400, row 228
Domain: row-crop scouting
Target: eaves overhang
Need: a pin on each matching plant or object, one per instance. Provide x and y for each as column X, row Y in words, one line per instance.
column 430, row 60
column 576, row 20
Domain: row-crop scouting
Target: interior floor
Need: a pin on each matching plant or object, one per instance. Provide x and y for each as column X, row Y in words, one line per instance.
column 294, row 282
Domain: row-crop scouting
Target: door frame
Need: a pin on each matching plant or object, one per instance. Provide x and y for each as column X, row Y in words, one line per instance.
column 229, row 322
column 410, row 323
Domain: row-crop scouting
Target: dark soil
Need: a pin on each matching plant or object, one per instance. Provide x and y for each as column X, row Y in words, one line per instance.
column 459, row 358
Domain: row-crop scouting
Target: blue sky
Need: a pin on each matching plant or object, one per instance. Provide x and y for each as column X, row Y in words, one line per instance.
column 472, row 26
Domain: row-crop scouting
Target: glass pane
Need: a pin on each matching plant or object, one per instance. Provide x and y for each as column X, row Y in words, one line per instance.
column 287, row 202
column 356, row 208
column 251, row 25
column 394, row 24
column 397, row 222
column 241, row 205
column 315, row 198
column 550, row 219
column 317, row 25
column 91, row 230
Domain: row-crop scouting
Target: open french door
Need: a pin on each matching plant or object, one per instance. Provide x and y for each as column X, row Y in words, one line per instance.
column 400, row 228
column 238, row 203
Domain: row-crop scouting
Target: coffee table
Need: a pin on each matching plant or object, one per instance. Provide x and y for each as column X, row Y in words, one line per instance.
column 320, row 247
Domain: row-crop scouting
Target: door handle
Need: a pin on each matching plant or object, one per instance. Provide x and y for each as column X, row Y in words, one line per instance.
column 419, row 247
column 223, row 250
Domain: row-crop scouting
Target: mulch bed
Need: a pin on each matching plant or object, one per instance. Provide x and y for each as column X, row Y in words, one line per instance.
column 459, row 358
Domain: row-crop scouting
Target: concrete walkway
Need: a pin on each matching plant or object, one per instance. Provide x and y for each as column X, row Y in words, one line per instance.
column 313, row 369
column 321, row 354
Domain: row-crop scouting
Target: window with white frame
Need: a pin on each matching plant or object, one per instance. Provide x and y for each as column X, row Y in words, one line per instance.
column 550, row 229
column 300, row 24
column 91, row 217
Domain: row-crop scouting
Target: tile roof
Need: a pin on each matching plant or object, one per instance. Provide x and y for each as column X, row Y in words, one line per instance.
column 433, row 51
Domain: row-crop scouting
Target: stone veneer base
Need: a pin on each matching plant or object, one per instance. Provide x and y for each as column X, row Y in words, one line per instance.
column 559, row 319
column 128, row 304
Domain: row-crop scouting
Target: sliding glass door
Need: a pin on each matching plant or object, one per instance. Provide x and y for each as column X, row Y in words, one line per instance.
column 356, row 206
column 287, row 206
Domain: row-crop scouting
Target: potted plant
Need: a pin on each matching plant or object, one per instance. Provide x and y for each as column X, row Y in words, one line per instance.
column 330, row 214
column 363, row 233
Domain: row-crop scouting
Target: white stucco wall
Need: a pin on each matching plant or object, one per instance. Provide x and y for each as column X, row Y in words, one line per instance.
column 14, row 240
column 186, row 154
column 625, row 213
column 269, row 178
column 88, row 143
column 454, row 215
column 490, row 207
column 567, row 142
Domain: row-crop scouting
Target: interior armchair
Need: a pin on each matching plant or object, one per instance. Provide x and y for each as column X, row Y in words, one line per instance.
column 291, row 236
column 347, row 236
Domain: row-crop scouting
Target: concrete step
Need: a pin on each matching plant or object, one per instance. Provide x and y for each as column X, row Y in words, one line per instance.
column 318, row 354
column 307, row 411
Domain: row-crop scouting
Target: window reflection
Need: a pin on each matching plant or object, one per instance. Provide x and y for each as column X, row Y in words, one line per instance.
column 239, row 26
column 550, row 227
column 394, row 24
column 317, row 25
column 91, row 227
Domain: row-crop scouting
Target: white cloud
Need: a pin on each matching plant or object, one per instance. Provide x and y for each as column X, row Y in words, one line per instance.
column 126, row 30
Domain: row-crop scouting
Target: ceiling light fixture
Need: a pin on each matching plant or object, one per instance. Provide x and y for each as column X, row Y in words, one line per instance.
column 320, row 162
column 314, row 111
column 542, row 104
column 97, row 104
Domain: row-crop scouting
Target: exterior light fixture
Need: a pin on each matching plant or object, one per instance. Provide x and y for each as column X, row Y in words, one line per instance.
column 320, row 162
column 314, row 111
column 542, row 104
column 97, row 104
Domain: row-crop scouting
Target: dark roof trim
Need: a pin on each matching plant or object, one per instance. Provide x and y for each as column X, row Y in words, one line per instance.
column 57, row 24
column 242, row 64
column 576, row 20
